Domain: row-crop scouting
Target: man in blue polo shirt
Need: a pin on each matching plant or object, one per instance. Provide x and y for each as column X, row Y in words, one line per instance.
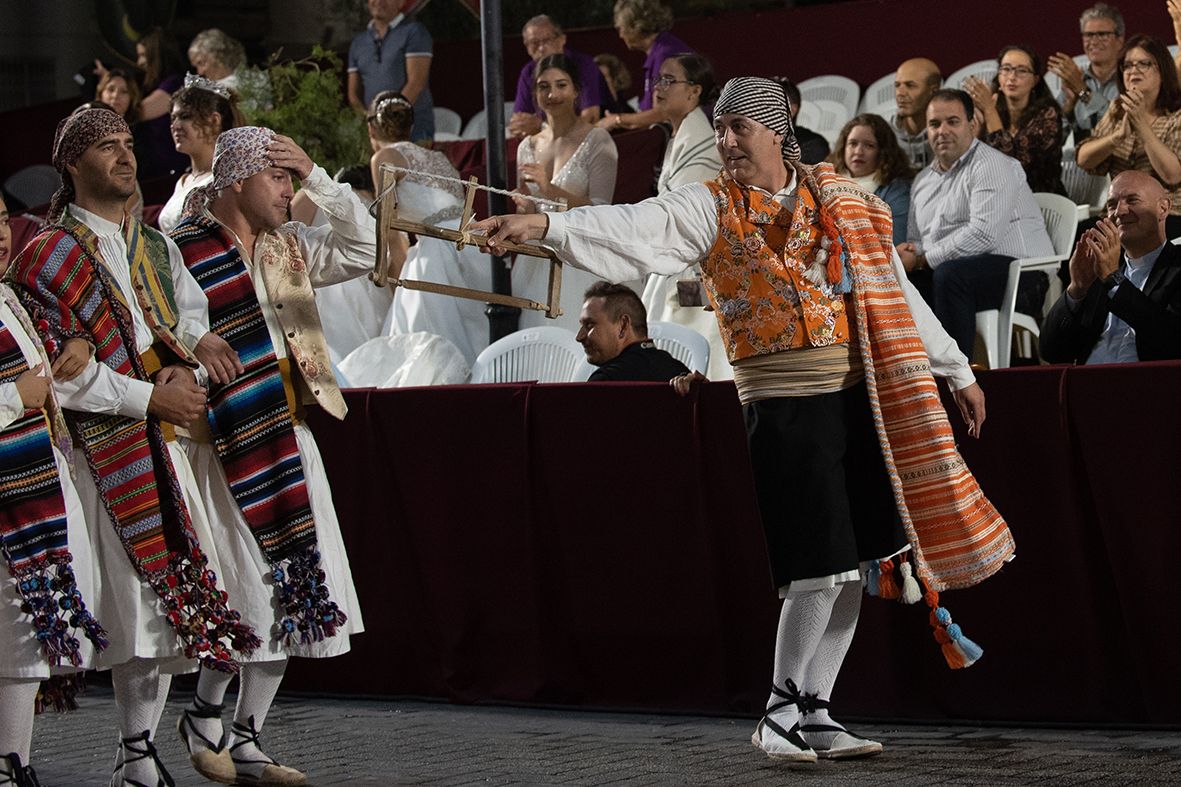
column 542, row 37
column 393, row 53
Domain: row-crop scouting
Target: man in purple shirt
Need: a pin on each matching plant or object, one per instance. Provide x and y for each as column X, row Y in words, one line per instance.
column 543, row 37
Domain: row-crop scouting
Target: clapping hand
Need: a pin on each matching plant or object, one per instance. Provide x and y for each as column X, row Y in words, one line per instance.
column 1069, row 72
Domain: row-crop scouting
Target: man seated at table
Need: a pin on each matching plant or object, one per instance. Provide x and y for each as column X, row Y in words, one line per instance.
column 1121, row 310
column 613, row 330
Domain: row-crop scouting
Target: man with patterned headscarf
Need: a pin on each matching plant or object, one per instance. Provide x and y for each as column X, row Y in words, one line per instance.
column 278, row 540
column 855, row 463
column 98, row 274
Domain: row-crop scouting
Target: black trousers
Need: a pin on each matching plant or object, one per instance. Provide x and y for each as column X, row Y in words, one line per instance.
column 824, row 495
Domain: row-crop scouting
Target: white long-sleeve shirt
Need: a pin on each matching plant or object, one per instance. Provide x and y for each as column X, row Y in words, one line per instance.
column 11, row 406
column 99, row 388
column 340, row 250
column 668, row 233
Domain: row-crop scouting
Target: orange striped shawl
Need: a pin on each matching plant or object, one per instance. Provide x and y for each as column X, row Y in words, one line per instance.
column 959, row 539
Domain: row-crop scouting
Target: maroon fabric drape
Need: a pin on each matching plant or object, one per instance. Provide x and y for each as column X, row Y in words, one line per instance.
column 599, row 546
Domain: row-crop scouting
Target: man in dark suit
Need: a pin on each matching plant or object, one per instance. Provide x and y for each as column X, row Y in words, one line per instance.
column 613, row 331
column 1121, row 307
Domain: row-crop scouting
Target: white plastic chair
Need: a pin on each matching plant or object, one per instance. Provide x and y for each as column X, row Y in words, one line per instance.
column 878, row 98
column 445, row 136
column 681, row 342
column 826, row 118
column 447, row 120
column 832, row 87
column 995, row 326
column 34, row 185
column 547, row 354
column 984, row 70
column 477, row 127
column 1081, row 186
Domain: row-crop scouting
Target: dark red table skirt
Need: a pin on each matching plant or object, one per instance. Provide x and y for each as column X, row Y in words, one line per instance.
column 599, row 546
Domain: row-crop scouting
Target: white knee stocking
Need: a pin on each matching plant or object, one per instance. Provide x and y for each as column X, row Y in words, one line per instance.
column 260, row 682
column 17, row 696
column 802, row 623
column 141, row 692
column 821, row 673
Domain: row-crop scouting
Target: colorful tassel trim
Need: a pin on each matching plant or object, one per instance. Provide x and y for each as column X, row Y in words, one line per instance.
column 911, row 594
column 887, row 586
column 958, row 650
column 310, row 615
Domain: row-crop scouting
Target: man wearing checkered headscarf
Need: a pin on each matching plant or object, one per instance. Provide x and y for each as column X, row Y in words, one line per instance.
column 75, row 134
column 258, row 271
column 823, row 331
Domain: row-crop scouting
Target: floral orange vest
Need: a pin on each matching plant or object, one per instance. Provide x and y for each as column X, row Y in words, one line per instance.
column 754, row 275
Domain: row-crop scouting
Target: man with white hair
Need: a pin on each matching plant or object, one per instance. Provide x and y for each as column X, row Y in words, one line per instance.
column 827, row 342
column 277, row 537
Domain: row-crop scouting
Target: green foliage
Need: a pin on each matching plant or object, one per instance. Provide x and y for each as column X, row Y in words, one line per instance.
column 307, row 103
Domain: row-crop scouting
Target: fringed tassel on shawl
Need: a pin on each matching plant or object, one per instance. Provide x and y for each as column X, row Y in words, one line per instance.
column 831, row 265
column 887, row 585
column 305, row 598
column 56, row 608
column 911, row 594
column 959, row 651
column 199, row 612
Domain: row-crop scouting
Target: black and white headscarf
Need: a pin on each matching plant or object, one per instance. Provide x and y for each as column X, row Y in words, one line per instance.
column 763, row 101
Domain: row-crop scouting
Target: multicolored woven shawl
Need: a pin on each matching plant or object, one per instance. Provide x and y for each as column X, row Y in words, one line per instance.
column 33, row 531
column 959, row 538
column 61, row 270
column 252, row 428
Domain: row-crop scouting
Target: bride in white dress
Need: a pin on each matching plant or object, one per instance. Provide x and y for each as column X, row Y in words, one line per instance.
column 425, row 198
column 567, row 160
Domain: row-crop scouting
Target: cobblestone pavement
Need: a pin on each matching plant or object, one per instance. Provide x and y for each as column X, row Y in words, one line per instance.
column 372, row 742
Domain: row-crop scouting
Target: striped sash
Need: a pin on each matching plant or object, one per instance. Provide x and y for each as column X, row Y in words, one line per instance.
column 33, row 535
column 61, row 271
column 958, row 537
column 251, row 422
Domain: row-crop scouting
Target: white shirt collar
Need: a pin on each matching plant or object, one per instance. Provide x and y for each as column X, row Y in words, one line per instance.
column 784, row 193
column 1148, row 259
column 97, row 224
column 959, row 162
column 393, row 23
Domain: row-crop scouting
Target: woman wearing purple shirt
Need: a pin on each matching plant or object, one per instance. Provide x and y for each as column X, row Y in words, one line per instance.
column 644, row 26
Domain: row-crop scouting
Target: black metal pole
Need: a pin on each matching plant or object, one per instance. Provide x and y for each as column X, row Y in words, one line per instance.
column 502, row 320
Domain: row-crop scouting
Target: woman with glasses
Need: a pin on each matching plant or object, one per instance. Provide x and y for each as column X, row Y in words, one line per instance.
column 685, row 85
column 568, row 162
column 1142, row 128
column 1021, row 117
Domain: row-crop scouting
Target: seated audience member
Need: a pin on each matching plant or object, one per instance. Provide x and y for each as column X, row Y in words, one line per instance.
column 618, row 80
column 201, row 110
column 971, row 213
column 1021, row 117
column 813, row 147
column 691, row 156
column 542, row 37
column 1142, row 127
column 868, row 153
column 119, row 92
column 1119, row 311
column 569, row 161
column 1086, row 93
column 221, row 58
column 645, row 26
column 613, row 330
column 163, row 70
column 914, row 83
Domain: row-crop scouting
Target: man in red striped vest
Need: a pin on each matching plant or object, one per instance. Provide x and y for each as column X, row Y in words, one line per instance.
column 98, row 274
column 833, row 353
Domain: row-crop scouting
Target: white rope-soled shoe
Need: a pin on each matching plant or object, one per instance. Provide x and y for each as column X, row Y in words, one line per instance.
column 778, row 743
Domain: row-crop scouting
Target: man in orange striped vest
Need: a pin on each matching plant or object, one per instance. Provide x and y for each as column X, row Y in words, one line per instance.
column 834, row 354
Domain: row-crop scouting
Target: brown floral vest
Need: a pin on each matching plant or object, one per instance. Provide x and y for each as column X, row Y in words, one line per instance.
column 754, row 275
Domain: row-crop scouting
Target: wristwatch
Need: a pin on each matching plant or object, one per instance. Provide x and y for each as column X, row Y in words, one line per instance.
column 1113, row 280
column 1084, row 95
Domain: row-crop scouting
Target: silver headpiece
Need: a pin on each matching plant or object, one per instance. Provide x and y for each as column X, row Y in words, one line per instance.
column 200, row 82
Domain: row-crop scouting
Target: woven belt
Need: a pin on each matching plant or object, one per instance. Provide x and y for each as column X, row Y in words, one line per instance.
column 152, row 365
column 199, row 431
